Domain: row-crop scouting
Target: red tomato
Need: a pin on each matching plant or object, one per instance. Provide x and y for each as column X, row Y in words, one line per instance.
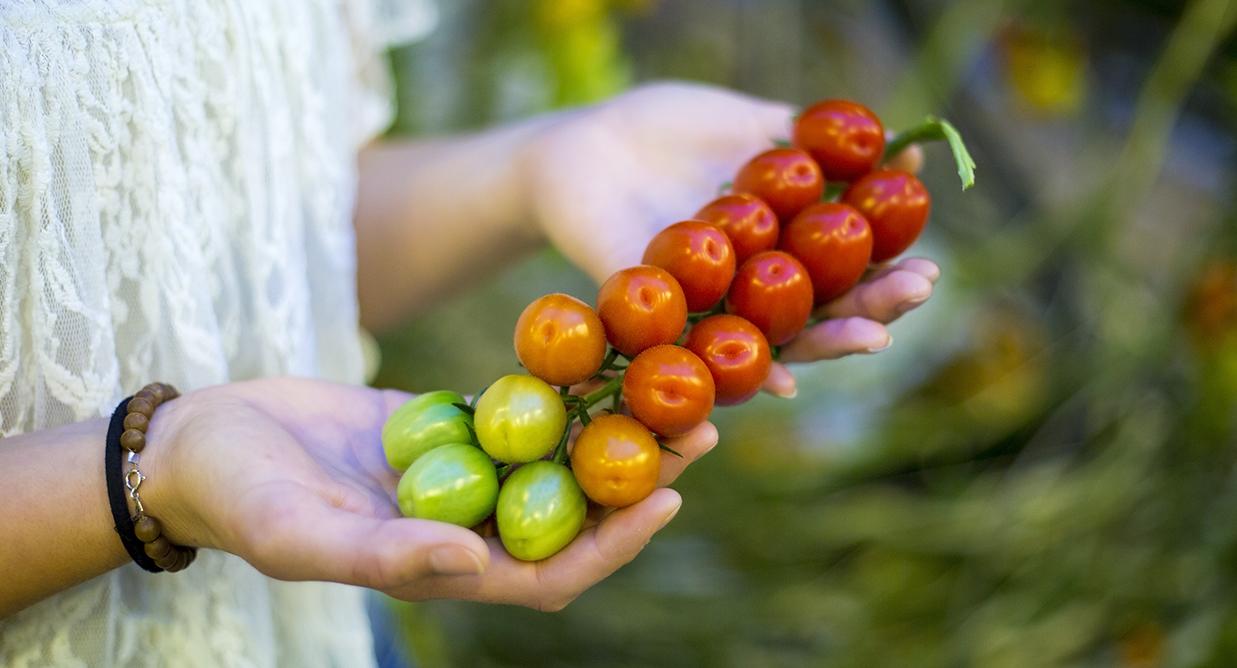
column 699, row 256
column 787, row 179
column 641, row 307
column 736, row 354
column 773, row 291
column 834, row 243
column 896, row 205
column 844, row 137
column 668, row 389
column 616, row 461
column 560, row 340
column 746, row 219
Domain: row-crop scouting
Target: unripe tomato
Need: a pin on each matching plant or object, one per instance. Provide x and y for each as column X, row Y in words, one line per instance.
column 641, row 307
column 736, row 353
column 616, row 461
column 774, row 292
column 456, row 484
column 560, row 339
column 519, row 419
column 746, row 219
column 668, row 389
column 846, row 138
column 787, row 179
column 896, row 205
column 699, row 256
column 423, row 423
column 540, row 510
column 834, row 243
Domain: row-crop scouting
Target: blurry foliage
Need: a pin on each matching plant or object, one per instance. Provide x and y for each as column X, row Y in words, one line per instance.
column 1041, row 471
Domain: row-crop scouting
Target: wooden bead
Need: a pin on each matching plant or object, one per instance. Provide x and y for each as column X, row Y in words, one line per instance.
column 133, row 440
column 169, row 392
column 168, row 563
column 158, row 548
column 181, row 560
column 146, row 394
column 137, row 421
column 156, row 390
column 142, row 405
column 147, row 528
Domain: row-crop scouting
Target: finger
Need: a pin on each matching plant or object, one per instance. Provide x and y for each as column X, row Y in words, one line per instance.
column 693, row 445
column 882, row 299
column 299, row 536
column 836, row 338
column 909, row 159
column 781, row 382
column 775, row 118
column 922, row 266
column 553, row 583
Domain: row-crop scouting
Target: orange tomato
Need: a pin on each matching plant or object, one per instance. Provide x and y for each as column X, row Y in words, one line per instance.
column 616, row 461
column 560, row 340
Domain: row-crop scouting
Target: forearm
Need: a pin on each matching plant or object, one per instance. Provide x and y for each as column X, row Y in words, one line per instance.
column 434, row 214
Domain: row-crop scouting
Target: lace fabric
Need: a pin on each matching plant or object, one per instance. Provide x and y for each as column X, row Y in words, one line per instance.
column 176, row 188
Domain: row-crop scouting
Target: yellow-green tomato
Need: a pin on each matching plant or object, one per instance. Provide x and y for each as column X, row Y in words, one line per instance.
column 422, row 424
column 520, row 419
column 453, row 483
column 540, row 510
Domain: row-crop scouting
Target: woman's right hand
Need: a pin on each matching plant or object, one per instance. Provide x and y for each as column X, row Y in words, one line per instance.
column 289, row 474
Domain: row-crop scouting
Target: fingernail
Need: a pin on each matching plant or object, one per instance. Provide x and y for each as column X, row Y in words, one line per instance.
column 670, row 515
column 455, row 560
column 888, row 342
column 910, row 304
column 783, row 394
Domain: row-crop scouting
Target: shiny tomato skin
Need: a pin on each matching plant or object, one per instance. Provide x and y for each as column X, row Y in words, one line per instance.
column 519, row 419
column 641, row 307
column 560, row 339
column 616, row 461
column 746, row 219
column 668, row 389
column 834, row 243
column 787, row 179
column 845, row 138
column 773, row 291
column 541, row 509
column 736, row 353
column 699, row 256
column 896, row 205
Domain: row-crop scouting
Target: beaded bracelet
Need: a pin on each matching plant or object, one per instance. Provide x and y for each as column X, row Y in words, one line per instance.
column 139, row 533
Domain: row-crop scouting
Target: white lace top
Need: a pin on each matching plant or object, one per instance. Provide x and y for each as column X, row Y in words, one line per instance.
column 176, row 188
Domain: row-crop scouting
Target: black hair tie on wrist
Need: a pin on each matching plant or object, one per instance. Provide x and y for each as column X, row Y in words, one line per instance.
column 112, row 466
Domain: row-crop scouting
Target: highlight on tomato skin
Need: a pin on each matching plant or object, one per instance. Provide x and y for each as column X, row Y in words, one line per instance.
column 669, row 390
column 834, row 243
column 787, row 179
column 896, row 205
column 845, row 138
column 560, row 339
column 641, row 307
column 699, row 256
column 736, row 354
column 616, row 460
column 774, row 292
column 746, row 219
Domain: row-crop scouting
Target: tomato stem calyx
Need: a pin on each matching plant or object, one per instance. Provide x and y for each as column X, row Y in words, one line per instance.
column 933, row 128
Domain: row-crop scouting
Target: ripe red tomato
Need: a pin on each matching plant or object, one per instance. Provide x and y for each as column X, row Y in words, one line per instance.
column 746, row 219
column 560, row 340
column 774, row 292
column 896, row 205
column 616, row 461
column 699, row 256
column 787, row 179
column 736, row 354
column 641, row 307
column 834, row 243
column 844, row 137
column 668, row 389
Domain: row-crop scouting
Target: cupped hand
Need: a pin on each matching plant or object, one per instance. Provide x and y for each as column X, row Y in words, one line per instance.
column 605, row 179
column 289, row 474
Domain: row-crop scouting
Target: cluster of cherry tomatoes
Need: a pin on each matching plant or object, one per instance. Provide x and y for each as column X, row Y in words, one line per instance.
column 695, row 325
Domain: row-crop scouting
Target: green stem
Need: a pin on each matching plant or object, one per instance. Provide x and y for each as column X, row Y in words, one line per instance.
column 932, row 128
column 613, row 385
column 560, row 451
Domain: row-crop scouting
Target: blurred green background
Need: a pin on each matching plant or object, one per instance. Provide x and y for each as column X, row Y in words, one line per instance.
column 1040, row 472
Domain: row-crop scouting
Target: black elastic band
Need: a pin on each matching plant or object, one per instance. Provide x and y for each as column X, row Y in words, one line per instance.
column 112, row 467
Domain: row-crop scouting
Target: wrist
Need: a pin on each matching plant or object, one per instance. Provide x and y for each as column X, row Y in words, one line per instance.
column 163, row 491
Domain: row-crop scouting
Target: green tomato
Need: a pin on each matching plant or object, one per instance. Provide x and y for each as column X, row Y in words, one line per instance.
column 454, row 483
column 540, row 510
column 422, row 424
column 520, row 419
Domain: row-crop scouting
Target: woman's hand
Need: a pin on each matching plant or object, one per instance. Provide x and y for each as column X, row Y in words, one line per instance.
column 290, row 475
column 604, row 179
